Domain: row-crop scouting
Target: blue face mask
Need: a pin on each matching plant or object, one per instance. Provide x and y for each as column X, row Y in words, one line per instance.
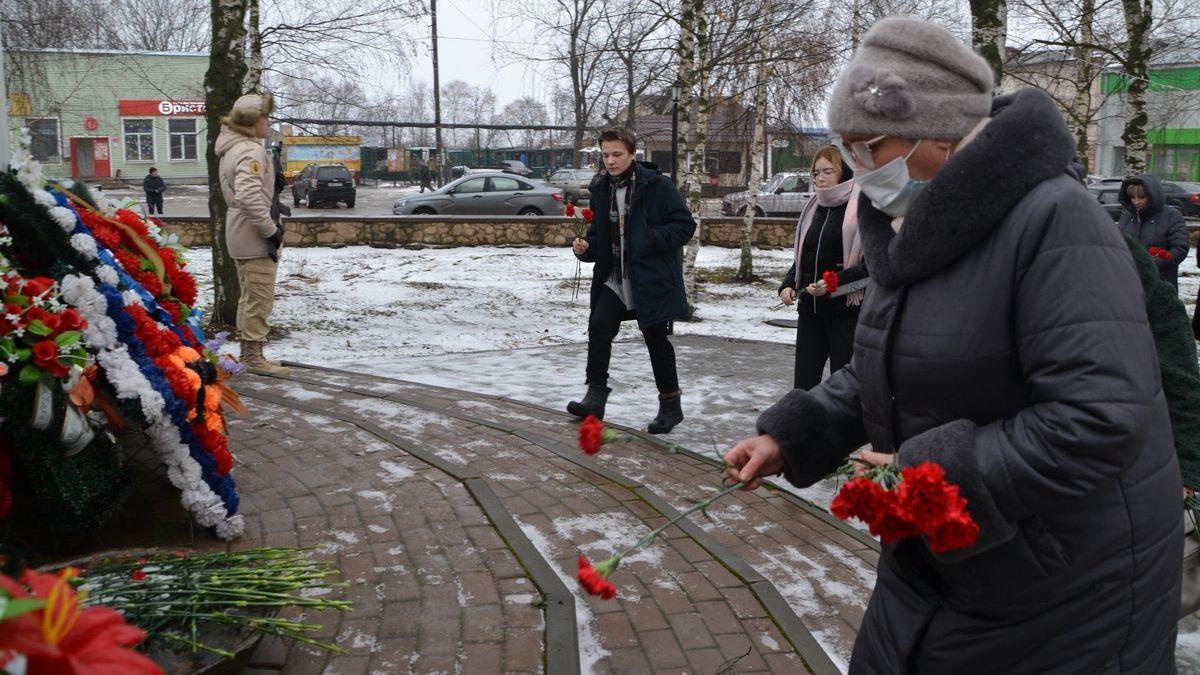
column 889, row 187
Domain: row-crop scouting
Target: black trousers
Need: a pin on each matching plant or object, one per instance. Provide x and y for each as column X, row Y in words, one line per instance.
column 821, row 338
column 605, row 321
column 154, row 200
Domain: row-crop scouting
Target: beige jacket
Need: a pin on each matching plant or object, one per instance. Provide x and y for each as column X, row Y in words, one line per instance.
column 248, row 184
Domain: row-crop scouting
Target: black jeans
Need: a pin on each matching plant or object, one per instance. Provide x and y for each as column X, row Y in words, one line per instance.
column 820, row 338
column 605, row 321
column 154, row 200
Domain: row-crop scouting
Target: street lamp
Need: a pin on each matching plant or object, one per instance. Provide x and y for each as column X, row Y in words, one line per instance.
column 675, row 88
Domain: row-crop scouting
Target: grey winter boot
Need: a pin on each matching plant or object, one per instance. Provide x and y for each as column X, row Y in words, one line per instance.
column 593, row 402
column 670, row 413
column 253, row 359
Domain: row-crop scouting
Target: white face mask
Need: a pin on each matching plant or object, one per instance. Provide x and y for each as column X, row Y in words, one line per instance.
column 890, row 188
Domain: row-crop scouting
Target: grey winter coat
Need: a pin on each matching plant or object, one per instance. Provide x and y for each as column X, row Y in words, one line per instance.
column 1005, row 338
column 659, row 224
column 1156, row 225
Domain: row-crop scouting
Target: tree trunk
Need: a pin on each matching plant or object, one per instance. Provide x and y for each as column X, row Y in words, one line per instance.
column 222, row 86
column 1084, row 71
column 1137, row 76
column 254, row 75
column 695, row 166
column 746, row 266
column 989, row 29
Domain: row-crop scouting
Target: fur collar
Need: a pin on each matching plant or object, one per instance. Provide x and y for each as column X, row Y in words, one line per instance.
column 1025, row 143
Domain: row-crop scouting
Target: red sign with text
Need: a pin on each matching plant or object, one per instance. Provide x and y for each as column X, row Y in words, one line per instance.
column 138, row 106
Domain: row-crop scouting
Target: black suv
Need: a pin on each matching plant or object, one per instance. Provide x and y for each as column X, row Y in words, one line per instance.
column 318, row 183
column 514, row 166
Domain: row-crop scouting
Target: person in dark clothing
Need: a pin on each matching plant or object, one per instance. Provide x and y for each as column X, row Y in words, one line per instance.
column 826, row 241
column 1149, row 220
column 154, row 187
column 426, row 175
column 635, row 238
column 1004, row 336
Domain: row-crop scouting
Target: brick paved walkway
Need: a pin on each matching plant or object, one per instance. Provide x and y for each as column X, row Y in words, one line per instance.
column 457, row 518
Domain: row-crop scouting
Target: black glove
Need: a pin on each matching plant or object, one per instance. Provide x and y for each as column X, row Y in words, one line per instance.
column 274, row 242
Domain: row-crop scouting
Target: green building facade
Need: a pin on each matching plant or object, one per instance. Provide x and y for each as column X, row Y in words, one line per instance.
column 102, row 115
column 1173, row 127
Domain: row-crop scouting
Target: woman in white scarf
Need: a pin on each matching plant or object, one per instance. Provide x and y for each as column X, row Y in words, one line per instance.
column 827, row 245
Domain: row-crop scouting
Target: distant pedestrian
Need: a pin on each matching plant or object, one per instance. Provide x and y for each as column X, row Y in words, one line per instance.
column 426, row 175
column 641, row 223
column 154, row 186
column 1149, row 220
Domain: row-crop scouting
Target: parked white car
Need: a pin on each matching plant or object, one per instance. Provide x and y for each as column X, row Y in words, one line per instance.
column 783, row 196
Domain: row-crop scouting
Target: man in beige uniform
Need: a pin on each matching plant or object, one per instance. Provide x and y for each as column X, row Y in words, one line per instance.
column 248, row 183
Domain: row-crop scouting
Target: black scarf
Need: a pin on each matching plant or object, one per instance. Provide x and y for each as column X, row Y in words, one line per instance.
column 615, row 213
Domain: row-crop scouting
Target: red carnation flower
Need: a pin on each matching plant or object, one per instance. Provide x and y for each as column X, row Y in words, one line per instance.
column 138, row 574
column 860, row 498
column 892, row 525
column 924, row 496
column 591, row 433
column 37, row 285
column 71, row 320
column 1159, row 252
column 594, row 582
column 831, row 281
column 569, row 209
column 587, row 215
column 959, row 530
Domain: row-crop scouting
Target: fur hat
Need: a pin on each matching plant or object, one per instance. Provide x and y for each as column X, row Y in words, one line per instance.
column 246, row 111
column 913, row 79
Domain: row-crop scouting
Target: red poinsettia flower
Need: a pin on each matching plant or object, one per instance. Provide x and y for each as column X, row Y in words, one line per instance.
column 65, row 638
column 594, row 582
column 831, row 280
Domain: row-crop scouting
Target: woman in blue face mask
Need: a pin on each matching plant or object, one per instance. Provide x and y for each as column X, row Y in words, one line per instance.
column 1004, row 337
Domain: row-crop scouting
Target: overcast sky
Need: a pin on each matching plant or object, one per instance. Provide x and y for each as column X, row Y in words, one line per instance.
column 470, row 49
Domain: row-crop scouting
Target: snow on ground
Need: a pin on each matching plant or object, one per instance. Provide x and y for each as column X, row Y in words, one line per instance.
column 374, row 310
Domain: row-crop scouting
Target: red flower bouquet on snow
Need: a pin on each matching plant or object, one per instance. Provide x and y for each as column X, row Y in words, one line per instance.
column 906, row 503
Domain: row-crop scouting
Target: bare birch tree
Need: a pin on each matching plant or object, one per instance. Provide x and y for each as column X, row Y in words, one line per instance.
column 763, row 75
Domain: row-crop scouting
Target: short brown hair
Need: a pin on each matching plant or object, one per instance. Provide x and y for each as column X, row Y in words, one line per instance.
column 831, row 155
column 1137, row 190
column 622, row 134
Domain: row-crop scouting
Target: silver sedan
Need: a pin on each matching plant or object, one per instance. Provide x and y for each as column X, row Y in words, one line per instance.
column 484, row 194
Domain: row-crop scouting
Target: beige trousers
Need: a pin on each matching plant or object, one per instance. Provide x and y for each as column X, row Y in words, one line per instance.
column 256, row 276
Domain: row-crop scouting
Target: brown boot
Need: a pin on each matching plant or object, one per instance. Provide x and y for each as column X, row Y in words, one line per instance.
column 253, row 359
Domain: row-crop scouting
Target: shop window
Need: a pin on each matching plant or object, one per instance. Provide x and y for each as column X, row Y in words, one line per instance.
column 44, row 143
column 139, row 140
column 182, row 134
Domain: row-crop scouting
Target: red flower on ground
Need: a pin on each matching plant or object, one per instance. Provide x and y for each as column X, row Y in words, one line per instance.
column 138, row 574
column 591, row 435
column 65, row 638
column 831, row 280
column 594, row 582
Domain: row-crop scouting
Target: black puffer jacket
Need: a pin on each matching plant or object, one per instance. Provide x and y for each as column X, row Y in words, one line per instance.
column 659, row 224
column 1156, row 225
column 1005, row 338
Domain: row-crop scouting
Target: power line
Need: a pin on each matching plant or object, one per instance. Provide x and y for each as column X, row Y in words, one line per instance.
column 423, row 125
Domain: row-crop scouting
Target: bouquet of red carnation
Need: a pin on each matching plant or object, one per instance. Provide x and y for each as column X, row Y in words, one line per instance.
column 584, row 218
column 1159, row 252
column 908, row 502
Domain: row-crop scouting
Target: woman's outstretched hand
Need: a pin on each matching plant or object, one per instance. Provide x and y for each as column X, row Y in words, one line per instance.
column 752, row 458
column 580, row 246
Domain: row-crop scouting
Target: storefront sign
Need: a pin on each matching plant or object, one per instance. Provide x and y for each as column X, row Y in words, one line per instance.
column 139, row 107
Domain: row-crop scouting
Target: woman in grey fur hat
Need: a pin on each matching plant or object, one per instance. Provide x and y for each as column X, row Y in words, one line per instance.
column 1004, row 337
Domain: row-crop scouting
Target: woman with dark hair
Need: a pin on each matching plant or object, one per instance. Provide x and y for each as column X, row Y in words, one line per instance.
column 640, row 224
column 826, row 241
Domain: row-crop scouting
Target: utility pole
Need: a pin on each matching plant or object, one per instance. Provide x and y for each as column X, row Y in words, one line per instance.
column 439, row 151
